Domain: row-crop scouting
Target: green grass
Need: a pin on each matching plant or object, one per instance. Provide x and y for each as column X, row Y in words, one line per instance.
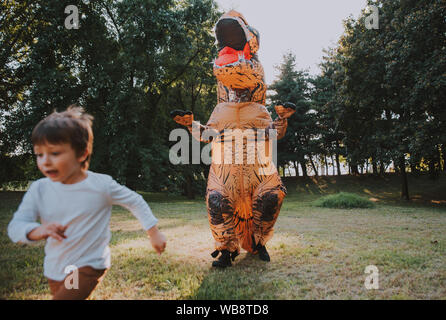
column 343, row 200
column 316, row 253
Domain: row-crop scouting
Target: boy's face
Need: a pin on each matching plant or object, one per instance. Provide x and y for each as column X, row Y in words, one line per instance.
column 59, row 162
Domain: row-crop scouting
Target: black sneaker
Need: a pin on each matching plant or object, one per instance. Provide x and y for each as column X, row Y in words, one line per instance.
column 263, row 254
column 224, row 260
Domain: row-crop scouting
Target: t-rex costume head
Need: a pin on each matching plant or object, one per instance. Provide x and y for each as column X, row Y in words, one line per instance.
column 239, row 73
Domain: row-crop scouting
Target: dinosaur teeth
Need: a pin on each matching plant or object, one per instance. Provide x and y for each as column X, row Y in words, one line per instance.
column 241, row 60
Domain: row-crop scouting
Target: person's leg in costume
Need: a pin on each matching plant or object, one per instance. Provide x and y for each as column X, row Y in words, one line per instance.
column 268, row 200
column 222, row 221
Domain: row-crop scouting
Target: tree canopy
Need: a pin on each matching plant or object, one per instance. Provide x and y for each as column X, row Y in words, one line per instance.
column 379, row 99
column 129, row 64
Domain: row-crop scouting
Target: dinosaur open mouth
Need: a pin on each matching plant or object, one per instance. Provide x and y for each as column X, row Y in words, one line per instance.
column 232, row 43
column 229, row 56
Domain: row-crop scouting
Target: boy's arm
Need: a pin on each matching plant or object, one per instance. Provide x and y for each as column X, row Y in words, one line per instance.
column 157, row 239
column 135, row 203
column 54, row 230
column 25, row 218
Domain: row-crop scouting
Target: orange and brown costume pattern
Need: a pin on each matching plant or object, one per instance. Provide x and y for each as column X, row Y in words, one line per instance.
column 243, row 197
column 244, row 193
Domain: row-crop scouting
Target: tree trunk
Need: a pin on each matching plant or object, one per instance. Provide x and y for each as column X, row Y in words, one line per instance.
column 437, row 162
column 382, row 168
column 297, row 169
column 354, row 168
column 314, row 167
column 326, row 166
column 443, row 158
column 189, row 187
column 303, row 166
column 374, row 166
column 338, row 164
column 333, row 165
column 443, row 153
column 405, row 187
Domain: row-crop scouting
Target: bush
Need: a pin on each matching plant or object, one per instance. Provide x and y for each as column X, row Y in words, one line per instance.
column 15, row 186
column 343, row 200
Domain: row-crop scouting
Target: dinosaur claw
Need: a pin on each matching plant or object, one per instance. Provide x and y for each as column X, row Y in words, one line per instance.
column 289, row 105
column 180, row 113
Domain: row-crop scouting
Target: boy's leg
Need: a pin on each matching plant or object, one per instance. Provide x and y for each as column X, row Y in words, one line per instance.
column 89, row 278
column 54, row 286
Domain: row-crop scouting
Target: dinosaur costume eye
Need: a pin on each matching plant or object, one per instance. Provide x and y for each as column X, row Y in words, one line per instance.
column 255, row 38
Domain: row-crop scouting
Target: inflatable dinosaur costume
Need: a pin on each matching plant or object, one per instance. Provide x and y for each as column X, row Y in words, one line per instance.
column 243, row 197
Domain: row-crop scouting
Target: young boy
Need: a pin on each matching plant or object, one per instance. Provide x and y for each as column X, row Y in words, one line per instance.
column 74, row 206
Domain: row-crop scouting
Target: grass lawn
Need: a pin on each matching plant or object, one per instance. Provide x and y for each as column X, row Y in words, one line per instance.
column 316, row 253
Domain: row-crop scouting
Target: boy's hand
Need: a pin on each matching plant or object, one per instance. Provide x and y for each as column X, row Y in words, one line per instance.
column 157, row 239
column 53, row 230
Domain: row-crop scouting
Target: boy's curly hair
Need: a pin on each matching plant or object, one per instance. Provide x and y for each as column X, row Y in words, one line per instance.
column 73, row 126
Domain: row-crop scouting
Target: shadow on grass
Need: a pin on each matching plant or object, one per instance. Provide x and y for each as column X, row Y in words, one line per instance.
column 243, row 281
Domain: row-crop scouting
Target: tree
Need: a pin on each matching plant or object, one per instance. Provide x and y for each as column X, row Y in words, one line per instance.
column 298, row 144
column 387, row 75
column 123, row 65
column 325, row 101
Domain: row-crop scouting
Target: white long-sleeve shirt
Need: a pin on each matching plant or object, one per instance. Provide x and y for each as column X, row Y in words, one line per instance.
column 86, row 208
